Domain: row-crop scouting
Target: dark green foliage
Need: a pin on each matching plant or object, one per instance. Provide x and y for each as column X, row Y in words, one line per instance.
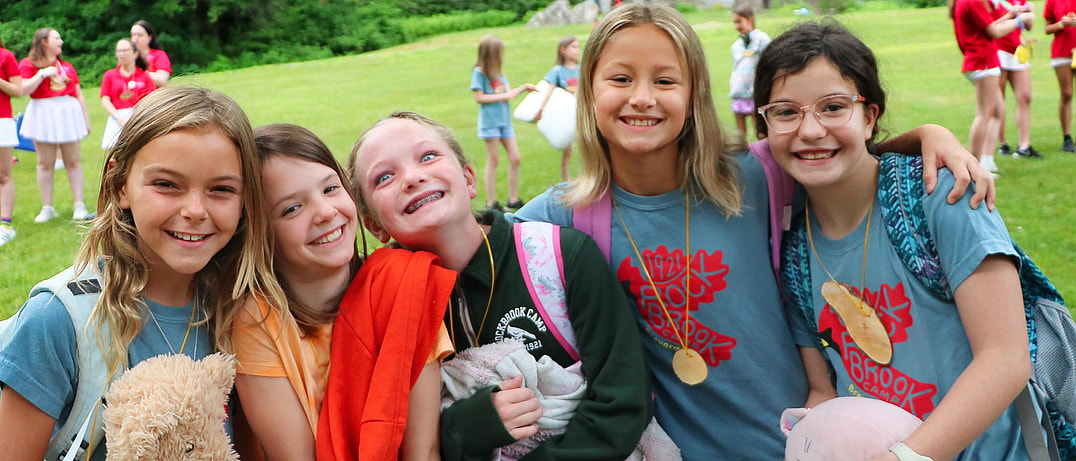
column 926, row 3
column 436, row 7
column 226, row 34
column 417, row 27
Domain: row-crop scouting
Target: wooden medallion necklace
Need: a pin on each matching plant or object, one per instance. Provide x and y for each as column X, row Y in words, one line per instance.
column 465, row 316
column 857, row 314
column 687, row 363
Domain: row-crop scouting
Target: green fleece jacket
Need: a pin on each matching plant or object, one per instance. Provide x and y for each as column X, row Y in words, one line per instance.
column 617, row 408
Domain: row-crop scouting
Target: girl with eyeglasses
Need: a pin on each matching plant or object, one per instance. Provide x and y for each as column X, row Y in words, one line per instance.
column 959, row 364
column 122, row 88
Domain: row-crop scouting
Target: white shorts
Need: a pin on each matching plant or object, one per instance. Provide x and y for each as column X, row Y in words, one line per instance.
column 1009, row 63
column 112, row 128
column 1058, row 62
column 975, row 75
column 56, row 120
column 8, row 136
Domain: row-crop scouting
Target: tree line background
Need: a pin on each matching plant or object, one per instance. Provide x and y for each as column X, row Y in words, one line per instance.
column 215, row 35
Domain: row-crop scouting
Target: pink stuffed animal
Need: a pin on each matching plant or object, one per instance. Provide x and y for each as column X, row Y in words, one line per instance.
column 845, row 428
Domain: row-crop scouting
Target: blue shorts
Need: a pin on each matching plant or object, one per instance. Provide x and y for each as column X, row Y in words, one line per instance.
column 502, row 132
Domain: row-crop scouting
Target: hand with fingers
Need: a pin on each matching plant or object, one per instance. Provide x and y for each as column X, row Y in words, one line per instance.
column 518, row 408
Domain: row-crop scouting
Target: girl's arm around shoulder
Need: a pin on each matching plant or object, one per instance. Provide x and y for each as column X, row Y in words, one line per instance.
column 616, row 410
column 940, row 148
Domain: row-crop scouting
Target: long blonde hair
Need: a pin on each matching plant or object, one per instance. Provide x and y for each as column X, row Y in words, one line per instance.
column 704, row 160
column 241, row 268
column 490, row 56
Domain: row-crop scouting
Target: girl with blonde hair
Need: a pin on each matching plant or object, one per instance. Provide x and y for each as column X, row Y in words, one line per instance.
column 179, row 240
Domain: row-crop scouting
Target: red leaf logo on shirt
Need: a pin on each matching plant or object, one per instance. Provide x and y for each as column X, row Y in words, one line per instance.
column 669, row 273
column 881, row 381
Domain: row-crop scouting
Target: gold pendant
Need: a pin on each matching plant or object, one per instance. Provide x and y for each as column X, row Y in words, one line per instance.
column 689, row 366
column 860, row 319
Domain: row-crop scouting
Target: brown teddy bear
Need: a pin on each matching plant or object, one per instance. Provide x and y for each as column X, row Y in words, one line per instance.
column 170, row 407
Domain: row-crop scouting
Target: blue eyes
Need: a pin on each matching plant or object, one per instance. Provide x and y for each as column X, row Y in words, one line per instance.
column 426, row 157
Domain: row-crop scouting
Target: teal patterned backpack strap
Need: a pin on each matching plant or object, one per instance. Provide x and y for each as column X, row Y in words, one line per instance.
column 900, row 194
column 795, row 271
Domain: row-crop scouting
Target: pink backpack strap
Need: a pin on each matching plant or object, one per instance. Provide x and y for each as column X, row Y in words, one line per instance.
column 596, row 220
column 542, row 265
column 781, row 187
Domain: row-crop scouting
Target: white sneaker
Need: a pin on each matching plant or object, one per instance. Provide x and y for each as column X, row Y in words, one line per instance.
column 80, row 212
column 7, row 234
column 47, row 214
column 59, row 165
column 988, row 164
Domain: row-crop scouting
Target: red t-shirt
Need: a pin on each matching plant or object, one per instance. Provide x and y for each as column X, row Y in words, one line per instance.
column 1009, row 42
column 125, row 92
column 1065, row 40
column 158, row 60
column 63, row 84
column 9, row 67
column 970, row 22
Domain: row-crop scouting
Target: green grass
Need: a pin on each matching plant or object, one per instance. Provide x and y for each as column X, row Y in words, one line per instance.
column 338, row 98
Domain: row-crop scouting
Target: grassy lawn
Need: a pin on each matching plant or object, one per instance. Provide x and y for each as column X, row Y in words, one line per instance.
column 338, row 98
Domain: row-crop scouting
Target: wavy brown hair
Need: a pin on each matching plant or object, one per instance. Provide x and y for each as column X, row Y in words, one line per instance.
column 241, row 268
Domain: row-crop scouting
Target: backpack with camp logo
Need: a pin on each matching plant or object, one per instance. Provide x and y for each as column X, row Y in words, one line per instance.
column 79, row 295
column 1050, row 328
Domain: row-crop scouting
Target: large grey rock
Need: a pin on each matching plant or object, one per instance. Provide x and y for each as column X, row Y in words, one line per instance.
column 560, row 13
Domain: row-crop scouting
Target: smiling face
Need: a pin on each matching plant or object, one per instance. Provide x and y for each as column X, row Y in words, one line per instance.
column 641, row 93
column 184, row 212
column 312, row 216
column 412, row 182
column 814, row 154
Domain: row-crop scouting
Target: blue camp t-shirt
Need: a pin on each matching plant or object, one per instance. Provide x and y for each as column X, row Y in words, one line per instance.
column 564, row 77
column 41, row 361
column 930, row 345
column 737, row 321
column 494, row 114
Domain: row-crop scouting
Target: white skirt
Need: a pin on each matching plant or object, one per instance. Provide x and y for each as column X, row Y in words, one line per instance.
column 56, row 120
column 8, row 136
column 112, row 128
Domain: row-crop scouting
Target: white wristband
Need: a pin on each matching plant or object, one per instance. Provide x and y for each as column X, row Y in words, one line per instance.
column 905, row 453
